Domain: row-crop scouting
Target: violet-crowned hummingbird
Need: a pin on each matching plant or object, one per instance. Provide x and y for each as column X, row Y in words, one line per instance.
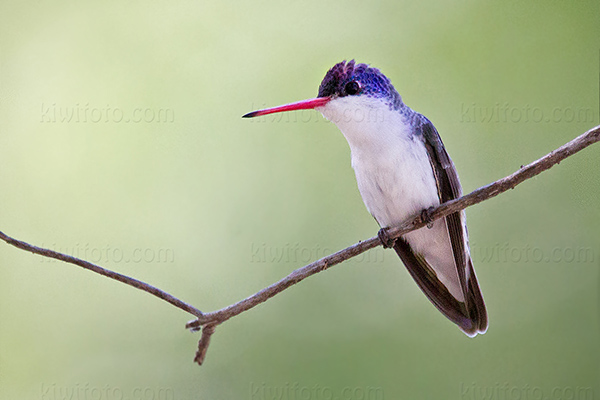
column 402, row 170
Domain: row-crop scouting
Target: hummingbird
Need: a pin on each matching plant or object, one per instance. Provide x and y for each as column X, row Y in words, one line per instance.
column 402, row 171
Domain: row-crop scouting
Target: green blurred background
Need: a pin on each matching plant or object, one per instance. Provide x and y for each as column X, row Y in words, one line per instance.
column 210, row 207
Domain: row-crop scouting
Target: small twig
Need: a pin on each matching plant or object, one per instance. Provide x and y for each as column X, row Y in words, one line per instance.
column 209, row 321
column 207, row 332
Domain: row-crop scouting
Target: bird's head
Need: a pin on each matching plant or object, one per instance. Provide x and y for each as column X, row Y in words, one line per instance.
column 346, row 89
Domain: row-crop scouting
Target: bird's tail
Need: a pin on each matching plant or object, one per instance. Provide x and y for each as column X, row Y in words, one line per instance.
column 470, row 315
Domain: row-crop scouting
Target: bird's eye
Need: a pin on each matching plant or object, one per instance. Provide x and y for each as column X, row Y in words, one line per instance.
column 352, row 88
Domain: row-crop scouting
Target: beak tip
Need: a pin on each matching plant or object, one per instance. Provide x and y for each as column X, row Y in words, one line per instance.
column 250, row 114
column 309, row 104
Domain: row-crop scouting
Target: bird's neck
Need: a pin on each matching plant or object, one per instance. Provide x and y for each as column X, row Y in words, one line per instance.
column 370, row 126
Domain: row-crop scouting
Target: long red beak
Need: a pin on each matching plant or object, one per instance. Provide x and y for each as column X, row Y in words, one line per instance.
column 299, row 105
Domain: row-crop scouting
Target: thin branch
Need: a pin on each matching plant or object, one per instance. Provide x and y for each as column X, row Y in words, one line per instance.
column 103, row 271
column 525, row 172
column 209, row 321
column 477, row 196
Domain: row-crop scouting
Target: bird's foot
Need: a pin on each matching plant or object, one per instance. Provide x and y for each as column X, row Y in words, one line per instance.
column 426, row 217
column 385, row 238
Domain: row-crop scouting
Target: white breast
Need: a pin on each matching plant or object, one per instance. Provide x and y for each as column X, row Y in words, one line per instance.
column 392, row 168
column 394, row 176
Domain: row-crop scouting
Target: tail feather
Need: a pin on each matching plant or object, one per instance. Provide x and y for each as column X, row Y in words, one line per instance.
column 470, row 315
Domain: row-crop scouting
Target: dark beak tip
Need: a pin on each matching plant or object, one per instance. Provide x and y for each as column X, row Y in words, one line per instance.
column 250, row 114
column 309, row 104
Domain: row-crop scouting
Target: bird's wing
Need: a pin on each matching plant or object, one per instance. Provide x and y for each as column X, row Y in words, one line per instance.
column 470, row 315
